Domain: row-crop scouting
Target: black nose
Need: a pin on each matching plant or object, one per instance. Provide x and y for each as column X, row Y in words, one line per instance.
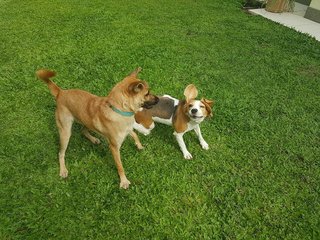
column 194, row 111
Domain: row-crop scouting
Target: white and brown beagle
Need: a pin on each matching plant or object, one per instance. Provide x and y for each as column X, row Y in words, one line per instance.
column 184, row 115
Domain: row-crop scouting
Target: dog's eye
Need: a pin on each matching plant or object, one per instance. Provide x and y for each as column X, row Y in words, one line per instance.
column 202, row 106
column 190, row 105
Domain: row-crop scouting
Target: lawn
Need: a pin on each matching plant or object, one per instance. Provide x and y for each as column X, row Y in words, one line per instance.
column 260, row 178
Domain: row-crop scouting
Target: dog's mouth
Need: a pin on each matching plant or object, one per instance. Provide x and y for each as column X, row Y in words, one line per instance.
column 147, row 106
column 196, row 117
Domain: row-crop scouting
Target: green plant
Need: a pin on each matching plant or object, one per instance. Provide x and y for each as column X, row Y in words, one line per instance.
column 260, row 178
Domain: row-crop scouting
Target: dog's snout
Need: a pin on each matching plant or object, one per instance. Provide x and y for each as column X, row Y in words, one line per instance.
column 156, row 99
column 194, row 111
column 150, row 103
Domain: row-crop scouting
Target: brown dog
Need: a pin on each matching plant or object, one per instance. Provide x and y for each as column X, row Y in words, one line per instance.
column 111, row 116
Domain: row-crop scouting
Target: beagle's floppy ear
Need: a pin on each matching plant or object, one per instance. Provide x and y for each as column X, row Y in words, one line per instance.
column 207, row 101
column 208, row 104
column 190, row 92
column 136, row 87
column 135, row 72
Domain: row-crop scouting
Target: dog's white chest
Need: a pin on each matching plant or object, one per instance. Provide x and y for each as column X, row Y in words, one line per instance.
column 191, row 125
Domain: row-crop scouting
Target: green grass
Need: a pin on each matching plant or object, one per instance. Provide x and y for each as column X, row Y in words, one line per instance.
column 260, row 178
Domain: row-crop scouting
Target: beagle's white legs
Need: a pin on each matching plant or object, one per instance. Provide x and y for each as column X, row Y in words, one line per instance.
column 203, row 143
column 182, row 145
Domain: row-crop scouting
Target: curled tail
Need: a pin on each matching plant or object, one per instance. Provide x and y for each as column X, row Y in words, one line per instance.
column 44, row 75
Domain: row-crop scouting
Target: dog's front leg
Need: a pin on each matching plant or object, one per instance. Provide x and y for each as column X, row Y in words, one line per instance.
column 203, row 143
column 182, row 145
column 115, row 150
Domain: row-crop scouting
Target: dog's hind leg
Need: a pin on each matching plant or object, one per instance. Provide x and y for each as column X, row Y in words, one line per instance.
column 136, row 140
column 142, row 129
column 87, row 134
column 64, row 124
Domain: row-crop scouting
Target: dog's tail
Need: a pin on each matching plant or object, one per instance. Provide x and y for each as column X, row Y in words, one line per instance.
column 45, row 76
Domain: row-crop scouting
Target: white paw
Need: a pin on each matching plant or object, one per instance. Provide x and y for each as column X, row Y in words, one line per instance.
column 187, row 155
column 205, row 145
column 96, row 141
column 125, row 184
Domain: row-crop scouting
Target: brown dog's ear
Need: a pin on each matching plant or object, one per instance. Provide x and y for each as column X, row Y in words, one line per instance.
column 208, row 104
column 136, row 87
column 135, row 72
column 190, row 92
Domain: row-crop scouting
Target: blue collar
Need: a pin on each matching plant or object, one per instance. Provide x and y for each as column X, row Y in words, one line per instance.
column 122, row 113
